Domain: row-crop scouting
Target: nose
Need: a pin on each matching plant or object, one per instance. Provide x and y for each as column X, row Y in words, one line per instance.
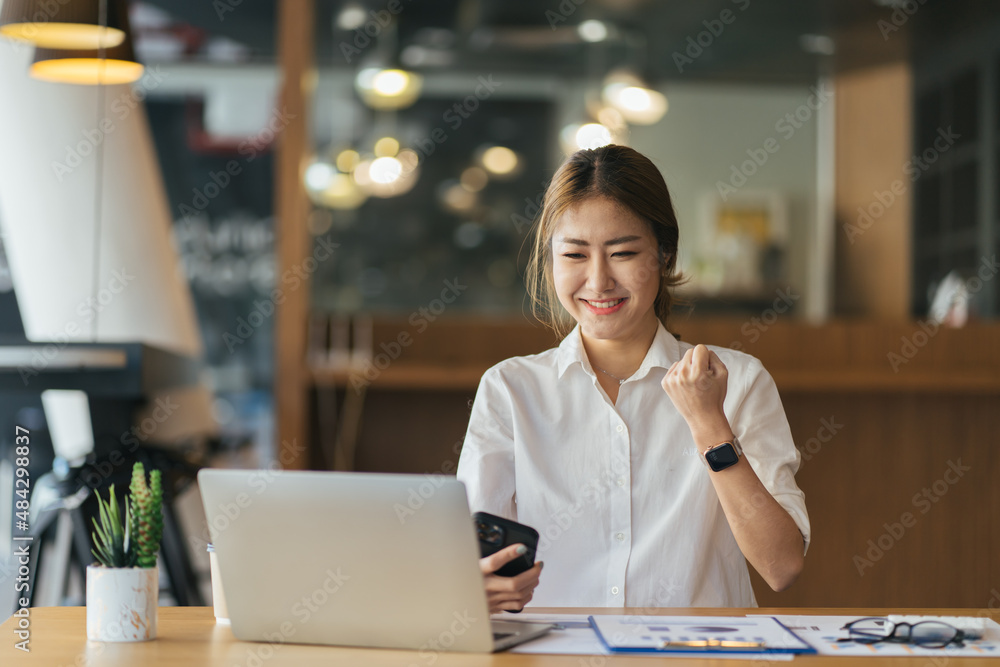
column 599, row 278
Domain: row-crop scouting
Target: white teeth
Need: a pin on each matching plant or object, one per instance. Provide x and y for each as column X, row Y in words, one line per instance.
column 605, row 304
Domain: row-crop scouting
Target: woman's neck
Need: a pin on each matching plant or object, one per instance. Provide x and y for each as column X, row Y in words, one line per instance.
column 621, row 356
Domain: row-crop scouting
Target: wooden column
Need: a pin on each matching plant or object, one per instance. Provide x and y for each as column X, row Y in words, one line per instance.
column 873, row 130
column 291, row 388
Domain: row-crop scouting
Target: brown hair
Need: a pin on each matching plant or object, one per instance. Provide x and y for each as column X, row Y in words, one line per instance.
column 624, row 176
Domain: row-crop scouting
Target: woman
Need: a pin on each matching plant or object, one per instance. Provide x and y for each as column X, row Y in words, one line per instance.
column 600, row 442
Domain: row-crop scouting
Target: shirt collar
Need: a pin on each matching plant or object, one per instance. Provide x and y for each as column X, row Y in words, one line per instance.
column 664, row 351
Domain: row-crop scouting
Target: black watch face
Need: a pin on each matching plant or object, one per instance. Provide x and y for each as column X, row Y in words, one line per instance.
column 722, row 457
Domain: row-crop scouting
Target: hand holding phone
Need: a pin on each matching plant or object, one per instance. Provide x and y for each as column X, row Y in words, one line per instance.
column 496, row 533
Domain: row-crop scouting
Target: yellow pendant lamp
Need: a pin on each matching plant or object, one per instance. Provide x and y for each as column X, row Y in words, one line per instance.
column 74, row 42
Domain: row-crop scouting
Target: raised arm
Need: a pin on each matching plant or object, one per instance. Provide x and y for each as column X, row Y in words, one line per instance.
column 765, row 531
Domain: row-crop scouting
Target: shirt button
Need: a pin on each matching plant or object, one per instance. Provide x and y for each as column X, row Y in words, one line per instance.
column 621, row 481
column 620, row 537
column 620, row 428
column 614, row 590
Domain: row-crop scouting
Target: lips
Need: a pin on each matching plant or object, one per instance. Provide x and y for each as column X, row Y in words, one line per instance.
column 604, row 307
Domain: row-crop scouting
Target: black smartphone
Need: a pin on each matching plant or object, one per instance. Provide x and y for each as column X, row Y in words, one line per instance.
column 496, row 533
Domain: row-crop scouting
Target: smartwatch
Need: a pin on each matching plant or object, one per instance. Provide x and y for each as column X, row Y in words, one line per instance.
column 725, row 455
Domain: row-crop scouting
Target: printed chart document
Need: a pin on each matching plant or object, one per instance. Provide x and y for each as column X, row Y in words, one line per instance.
column 824, row 631
column 574, row 635
column 697, row 634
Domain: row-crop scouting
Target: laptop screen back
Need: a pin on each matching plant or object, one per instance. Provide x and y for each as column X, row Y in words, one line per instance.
column 350, row 559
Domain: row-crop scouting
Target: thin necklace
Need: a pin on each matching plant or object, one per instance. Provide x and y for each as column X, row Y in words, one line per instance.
column 621, row 381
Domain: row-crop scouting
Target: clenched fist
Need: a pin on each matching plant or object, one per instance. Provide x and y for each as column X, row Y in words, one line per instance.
column 697, row 386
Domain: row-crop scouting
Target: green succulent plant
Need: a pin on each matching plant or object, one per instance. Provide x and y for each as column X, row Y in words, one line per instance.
column 132, row 540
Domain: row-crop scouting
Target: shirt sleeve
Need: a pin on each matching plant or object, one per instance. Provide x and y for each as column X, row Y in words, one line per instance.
column 762, row 428
column 486, row 465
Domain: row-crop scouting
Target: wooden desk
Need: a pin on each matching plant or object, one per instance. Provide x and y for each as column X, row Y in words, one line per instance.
column 189, row 636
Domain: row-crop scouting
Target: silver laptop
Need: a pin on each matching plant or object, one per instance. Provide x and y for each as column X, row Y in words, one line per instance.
column 352, row 559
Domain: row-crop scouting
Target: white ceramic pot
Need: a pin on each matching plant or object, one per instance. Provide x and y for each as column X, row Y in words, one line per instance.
column 121, row 603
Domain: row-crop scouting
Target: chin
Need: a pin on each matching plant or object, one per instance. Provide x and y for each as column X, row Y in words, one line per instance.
column 601, row 331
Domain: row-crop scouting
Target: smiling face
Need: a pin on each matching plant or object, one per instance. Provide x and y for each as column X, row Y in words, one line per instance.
column 606, row 270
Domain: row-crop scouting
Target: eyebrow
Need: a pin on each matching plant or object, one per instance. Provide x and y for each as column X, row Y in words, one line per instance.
column 617, row 241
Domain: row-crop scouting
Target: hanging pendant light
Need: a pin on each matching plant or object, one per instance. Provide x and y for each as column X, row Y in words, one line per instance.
column 114, row 66
column 56, row 24
column 69, row 47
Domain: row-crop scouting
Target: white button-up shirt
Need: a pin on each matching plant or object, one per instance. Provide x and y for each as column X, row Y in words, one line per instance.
column 618, row 492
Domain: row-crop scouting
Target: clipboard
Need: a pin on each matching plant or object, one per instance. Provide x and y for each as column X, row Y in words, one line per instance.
column 759, row 635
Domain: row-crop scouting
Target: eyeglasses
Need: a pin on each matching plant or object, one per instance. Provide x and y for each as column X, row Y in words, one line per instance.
column 925, row 634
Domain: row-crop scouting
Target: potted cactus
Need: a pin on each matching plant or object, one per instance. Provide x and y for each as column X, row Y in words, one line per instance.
column 123, row 585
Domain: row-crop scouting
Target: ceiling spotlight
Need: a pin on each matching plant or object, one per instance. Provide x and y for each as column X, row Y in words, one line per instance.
column 388, row 88
column 385, row 170
column 637, row 102
column 456, row 198
column 390, row 82
column 386, row 147
column 593, row 135
column 342, row 193
column 409, row 159
column 474, row 179
column 347, row 160
column 388, row 176
column 319, row 175
column 588, row 135
column 592, row 31
column 351, row 16
column 500, row 161
column 612, row 119
column 331, row 188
